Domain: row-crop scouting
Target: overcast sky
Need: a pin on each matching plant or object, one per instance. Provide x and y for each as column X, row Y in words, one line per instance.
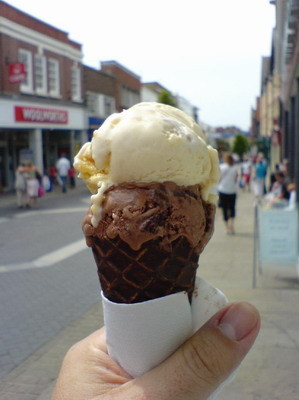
column 208, row 51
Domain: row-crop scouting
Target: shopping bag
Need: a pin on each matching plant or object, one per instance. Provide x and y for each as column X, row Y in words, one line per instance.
column 41, row 191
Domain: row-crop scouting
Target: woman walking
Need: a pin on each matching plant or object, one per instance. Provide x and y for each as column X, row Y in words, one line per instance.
column 227, row 188
column 33, row 175
column 21, row 187
column 259, row 176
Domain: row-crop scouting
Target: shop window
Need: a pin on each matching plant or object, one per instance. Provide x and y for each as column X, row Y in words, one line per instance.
column 76, row 83
column 53, row 77
column 25, row 56
column 40, row 74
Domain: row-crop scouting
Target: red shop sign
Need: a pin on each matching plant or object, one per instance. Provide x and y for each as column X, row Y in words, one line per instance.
column 41, row 115
column 17, row 73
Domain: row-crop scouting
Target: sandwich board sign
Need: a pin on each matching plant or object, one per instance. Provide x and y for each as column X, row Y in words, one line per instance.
column 278, row 235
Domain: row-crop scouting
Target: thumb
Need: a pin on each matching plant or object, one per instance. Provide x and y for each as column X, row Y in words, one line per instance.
column 207, row 359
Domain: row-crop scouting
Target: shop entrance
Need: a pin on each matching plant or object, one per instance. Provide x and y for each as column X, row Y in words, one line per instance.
column 55, row 142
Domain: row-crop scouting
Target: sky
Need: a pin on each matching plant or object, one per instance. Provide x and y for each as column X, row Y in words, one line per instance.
column 207, row 51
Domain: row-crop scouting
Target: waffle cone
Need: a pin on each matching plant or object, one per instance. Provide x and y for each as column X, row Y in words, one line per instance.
column 130, row 276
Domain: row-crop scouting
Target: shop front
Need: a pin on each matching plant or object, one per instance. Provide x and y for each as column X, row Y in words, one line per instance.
column 39, row 132
column 93, row 124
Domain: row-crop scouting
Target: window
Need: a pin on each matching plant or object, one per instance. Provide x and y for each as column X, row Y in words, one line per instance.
column 92, row 102
column 129, row 97
column 76, row 83
column 40, row 74
column 124, row 97
column 25, row 56
column 100, row 105
column 109, row 106
column 54, row 77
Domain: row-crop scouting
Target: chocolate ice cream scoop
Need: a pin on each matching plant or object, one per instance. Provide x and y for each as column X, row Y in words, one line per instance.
column 149, row 239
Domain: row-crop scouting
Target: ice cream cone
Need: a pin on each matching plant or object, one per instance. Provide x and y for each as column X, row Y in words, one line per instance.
column 164, row 264
column 130, row 276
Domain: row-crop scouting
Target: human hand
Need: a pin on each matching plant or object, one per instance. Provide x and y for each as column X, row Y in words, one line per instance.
column 193, row 372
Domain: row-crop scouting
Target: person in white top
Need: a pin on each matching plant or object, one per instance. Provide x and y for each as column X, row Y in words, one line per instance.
column 246, row 173
column 63, row 165
column 227, row 189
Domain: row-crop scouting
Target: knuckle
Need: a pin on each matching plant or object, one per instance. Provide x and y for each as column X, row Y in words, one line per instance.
column 73, row 351
column 204, row 362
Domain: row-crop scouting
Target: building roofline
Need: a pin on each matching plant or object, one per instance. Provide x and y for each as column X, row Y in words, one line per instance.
column 116, row 63
column 155, row 83
column 98, row 71
column 46, row 24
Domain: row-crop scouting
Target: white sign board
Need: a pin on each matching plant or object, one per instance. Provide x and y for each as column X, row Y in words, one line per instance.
column 278, row 235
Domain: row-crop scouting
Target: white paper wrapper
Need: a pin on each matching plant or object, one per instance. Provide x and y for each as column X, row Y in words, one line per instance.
column 140, row 336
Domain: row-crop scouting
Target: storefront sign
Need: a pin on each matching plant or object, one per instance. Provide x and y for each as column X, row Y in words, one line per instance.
column 93, row 124
column 40, row 115
column 17, row 73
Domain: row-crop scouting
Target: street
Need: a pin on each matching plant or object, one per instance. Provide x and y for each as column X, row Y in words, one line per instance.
column 49, row 299
column 47, row 274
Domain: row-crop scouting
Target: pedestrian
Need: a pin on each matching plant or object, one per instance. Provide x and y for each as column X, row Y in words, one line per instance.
column 227, row 189
column 281, row 187
column 195, row 371
column 246, row 173
column 53, row 175
column 259, row 176
column 272, row 177
column 279, row 194
column 63, row 165
column 33, row 178
column 72, row 176
column 21, row 186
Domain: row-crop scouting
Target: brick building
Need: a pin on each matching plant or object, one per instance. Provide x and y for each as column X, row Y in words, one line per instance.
column 50, row 103
column 100, row 91
column 41, row 102
column 276, row 118
column 128, row 84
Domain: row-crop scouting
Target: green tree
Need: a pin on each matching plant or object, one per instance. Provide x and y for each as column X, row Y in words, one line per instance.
column 222, row 145
column 240, row 145
column 166, row 98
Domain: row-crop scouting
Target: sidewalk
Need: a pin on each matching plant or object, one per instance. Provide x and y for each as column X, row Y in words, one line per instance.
column 8, row 200
column 270, row 371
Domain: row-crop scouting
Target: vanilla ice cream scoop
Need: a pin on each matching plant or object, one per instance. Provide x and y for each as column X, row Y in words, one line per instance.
column 149, row 142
